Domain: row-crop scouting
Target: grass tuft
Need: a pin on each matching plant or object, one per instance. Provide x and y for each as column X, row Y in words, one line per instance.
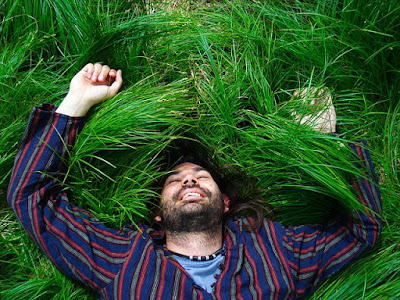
column 221, row 73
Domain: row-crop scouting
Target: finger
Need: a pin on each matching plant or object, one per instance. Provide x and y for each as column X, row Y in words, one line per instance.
column 111, row 76
column 88, row 70
column 329, row 100
column 96, row 72
column 304, row 93
column 112, row 73
column 320, row 96
column 104, row 73
column 309, row 94
column 116, row 85
column 325, row 99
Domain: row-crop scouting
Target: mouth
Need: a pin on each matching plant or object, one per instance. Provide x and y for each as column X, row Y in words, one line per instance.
column 191, row 195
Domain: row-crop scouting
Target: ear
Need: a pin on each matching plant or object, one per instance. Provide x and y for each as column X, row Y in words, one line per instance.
column 226, row 202
column 157, row 218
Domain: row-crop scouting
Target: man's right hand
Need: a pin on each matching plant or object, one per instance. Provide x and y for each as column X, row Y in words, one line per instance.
column 90, row 86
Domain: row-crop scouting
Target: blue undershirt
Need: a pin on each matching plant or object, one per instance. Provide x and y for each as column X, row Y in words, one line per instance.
column 203, row 273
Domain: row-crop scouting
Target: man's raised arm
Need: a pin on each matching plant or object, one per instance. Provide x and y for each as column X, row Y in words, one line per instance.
column 76, row 243
column 317, row 252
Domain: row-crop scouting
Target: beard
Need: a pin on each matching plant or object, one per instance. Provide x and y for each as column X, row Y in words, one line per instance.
column 193, row 217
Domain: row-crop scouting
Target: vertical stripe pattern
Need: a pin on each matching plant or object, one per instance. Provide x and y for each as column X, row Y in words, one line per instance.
column 271, row 262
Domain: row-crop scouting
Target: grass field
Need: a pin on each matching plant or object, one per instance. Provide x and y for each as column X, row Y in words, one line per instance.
column 222, row 73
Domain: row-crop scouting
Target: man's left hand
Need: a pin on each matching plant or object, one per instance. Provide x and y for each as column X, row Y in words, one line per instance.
column 320, row 113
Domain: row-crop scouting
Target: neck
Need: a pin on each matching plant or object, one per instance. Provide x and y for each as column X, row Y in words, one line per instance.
column 194, row 243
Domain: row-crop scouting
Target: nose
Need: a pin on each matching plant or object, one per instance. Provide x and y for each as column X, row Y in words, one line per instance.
column 189, row 180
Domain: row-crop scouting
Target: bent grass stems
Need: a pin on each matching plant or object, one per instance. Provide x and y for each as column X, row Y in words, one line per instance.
column 221, row 73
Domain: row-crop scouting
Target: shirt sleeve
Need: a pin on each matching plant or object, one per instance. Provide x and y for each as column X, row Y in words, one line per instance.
column 316, row 252
column 79, row 245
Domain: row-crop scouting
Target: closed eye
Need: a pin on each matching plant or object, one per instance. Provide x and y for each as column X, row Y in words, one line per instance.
column 203, row 174
column 172, row 180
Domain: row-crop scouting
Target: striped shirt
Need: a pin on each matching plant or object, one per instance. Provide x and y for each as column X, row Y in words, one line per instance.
column 271, row 262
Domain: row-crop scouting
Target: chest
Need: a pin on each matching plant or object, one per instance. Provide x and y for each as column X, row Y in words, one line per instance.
column 249, row 271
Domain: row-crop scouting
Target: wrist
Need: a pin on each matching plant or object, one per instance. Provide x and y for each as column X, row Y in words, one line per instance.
column 329, row 128
column 72, row 106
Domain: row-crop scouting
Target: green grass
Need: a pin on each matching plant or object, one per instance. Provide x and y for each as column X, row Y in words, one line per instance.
column 222, row 73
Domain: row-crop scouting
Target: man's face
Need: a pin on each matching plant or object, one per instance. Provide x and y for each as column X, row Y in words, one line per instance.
column 191, row 200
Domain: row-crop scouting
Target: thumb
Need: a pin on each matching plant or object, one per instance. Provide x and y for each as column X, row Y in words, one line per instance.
column 116, row 85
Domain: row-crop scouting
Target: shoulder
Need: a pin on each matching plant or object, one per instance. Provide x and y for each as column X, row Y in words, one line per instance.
column 267, row 238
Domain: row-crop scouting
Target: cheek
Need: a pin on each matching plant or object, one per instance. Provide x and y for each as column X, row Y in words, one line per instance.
column 168, row 192
column 213, row 187
column 164, row 203
column 165, row 190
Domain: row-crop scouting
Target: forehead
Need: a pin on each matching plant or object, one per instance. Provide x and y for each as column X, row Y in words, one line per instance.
column 187, row 166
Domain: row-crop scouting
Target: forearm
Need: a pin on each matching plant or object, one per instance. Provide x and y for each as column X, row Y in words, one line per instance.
column 40, row 161
column 73, row 106
column 368, row 221
column 316, row 252
column 77, row 244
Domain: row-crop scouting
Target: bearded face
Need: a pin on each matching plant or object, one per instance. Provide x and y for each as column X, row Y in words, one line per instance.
column 192, row 201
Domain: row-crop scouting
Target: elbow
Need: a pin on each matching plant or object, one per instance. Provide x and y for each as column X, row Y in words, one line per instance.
column 373, row 234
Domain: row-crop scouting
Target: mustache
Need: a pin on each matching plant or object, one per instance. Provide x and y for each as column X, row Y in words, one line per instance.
column 177, row 195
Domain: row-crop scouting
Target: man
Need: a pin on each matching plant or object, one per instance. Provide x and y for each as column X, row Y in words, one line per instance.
column 202, row 257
